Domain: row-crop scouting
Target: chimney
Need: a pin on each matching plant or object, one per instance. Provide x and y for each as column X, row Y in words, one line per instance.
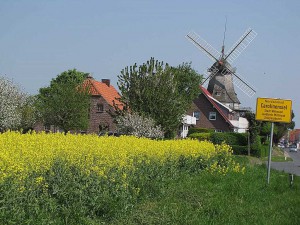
column 90, row 76
column 106, row 81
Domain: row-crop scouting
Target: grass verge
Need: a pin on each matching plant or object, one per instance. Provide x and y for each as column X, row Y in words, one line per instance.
column 231, row 199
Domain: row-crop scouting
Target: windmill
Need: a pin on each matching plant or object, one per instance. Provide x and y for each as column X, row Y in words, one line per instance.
column 222, row 76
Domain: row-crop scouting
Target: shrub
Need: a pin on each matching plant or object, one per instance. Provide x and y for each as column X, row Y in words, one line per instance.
column 264, row 149
column 256, row 146
column 199, row 130
column 136, row 125
column 201, row 136
column 239, row 150
column 229, row 138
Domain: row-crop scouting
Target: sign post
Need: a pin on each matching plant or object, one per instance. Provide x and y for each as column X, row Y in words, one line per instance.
column 273, row 110
column 270, row 153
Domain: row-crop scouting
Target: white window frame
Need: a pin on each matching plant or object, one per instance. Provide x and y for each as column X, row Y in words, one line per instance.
column 212, row 116
column 197, row 118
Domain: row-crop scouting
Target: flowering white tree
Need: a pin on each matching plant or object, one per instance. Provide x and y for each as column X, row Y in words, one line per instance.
column 11, row 101
column 134, row 124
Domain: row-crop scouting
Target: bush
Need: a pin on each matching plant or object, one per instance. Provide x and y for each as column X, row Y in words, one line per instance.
column 229, row 138
column 199, row 130
column 256, row 146
column 139, row 126
column 218, row 138
column 264, row 149
column 239, row 150
column 201, row 136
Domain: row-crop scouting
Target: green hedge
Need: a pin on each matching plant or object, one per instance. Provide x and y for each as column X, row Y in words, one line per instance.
column 229, row 138
column 239, row 150
column 237, row 141
column 193, row 130
column 264, row 149
column 201, row 136
column 218, row 138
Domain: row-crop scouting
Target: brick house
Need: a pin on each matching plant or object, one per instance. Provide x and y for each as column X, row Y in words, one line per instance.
column 212, row 114
column 294, row 136
column 103, row 98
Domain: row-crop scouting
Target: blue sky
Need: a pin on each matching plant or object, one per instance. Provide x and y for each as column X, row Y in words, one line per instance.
column 40, row 39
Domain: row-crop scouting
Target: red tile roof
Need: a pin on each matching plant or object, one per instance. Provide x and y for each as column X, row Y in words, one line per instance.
column 214, row 103
column 109, row 93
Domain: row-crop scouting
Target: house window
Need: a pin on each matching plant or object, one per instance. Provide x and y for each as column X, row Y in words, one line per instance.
column 197, row 115
column 212, row 115
column 100, row 107
column 218, row 93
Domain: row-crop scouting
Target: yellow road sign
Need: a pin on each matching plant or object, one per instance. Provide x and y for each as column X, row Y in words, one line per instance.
column 274, row 110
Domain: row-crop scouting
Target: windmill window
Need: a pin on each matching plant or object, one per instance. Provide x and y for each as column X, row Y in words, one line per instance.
column 212, row 115
column 100, row 108
column 196, row 114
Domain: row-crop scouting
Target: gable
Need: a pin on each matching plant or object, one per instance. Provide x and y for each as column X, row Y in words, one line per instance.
column 107, row 91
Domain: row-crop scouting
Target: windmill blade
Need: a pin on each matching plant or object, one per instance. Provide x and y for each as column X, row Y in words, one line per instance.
column 240, row 45
column 240, row 82
column 214, row 71
column 203, row 45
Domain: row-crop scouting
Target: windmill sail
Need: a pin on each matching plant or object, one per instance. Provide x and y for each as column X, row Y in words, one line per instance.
column 240, row 45
column 203, row 45
column 222, row 77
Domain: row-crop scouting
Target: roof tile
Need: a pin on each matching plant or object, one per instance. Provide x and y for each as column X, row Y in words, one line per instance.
column 109, row 93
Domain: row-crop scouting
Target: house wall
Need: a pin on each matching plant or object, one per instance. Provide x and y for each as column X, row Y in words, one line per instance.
column 202, row 105
column 96, row 118
column 100, row 120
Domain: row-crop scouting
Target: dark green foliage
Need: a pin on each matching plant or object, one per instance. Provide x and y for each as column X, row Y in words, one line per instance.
column 29, row 114
column 282, row 129
column 65, row 103
column 159, row 91
column 218, row 138
column 199, row 130
column 256, row 146
column 264, row 150
column 239, row 150
column 263, row 128
column 229, row 138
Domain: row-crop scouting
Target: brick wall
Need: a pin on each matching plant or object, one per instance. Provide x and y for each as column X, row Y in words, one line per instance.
column 96, row 119
column 100, row 119
column 202, row 105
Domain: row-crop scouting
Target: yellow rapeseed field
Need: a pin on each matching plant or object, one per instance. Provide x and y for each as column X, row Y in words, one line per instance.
column 22, row 154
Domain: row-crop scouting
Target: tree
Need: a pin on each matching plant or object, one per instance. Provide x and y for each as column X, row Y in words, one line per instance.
column 263, row 128
column 11, row 101
column 134, row 124
column 282, row 129
column 29, row 113
column 254, row 130
column 65, row 103
column 159, row 91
